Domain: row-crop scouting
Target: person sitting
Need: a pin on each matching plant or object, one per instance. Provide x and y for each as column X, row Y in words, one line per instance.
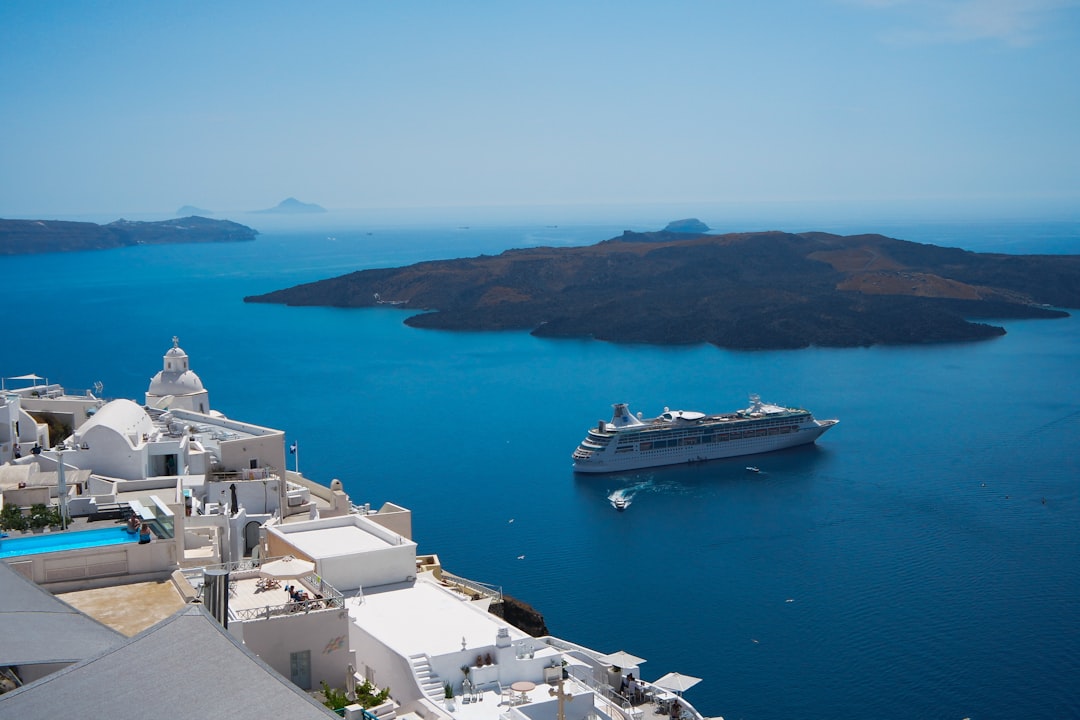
column 132, row 524
column 144, row 533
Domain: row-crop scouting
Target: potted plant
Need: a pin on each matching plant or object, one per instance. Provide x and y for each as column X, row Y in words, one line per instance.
column 11, row 518
column 448, row 693
column 39, row 517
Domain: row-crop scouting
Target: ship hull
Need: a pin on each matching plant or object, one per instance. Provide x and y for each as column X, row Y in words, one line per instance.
column 610, row 462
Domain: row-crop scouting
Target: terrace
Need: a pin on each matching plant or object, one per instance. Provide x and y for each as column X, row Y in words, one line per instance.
column 254, row 594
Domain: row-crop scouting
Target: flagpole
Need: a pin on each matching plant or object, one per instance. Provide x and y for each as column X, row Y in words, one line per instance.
column 295, row 450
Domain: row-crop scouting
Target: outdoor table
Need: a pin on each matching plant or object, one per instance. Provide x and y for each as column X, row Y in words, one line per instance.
column 524, row 687
column 663, row 700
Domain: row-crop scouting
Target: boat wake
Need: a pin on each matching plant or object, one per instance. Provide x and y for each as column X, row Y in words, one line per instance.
column 620, row 499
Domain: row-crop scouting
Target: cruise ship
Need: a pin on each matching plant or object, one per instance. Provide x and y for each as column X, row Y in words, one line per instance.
column 631, row 442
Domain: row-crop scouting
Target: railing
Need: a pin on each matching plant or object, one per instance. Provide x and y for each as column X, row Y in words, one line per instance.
column 483, row 589
column 622, row 705
column 331, row 596
column 328, row 591
column 289, row 608
column 231, row 567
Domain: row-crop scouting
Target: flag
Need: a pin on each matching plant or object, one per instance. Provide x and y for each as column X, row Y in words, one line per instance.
column 292, row 449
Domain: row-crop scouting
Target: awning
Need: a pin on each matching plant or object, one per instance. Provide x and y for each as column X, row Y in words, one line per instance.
column 286, row 568
column 621, row 659
column 676, row 682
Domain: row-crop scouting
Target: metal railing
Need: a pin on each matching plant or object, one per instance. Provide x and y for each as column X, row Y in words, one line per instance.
column 289, row 608
column 332, row 598
column 623, row 705
column 483, row 589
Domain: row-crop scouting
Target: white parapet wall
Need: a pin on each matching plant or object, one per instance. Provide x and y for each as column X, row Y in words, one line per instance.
column 349, row 552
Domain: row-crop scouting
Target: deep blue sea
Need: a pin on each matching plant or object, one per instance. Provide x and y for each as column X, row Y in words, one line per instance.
column 921, row 561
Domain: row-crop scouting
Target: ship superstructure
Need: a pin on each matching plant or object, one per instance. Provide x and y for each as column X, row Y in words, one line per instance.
column 630, row 442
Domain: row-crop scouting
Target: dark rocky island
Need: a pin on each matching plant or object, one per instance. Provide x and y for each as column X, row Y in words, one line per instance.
column 292, row 206
column 740, row 290
column 23, row 237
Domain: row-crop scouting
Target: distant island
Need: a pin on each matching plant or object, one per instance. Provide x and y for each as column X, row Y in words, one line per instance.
column 292, row 206
column 689, row 225
column 189, row 210
column 759, row 290
column 24, row 237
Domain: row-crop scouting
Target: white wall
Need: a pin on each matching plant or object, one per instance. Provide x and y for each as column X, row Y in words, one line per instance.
column 371, row 568
column 325, row 633
column 110, row 454
column 389, row 669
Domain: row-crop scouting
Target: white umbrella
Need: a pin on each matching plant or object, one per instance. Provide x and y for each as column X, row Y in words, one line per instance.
column 287, row 567
column 621, row 659
column 677, row 682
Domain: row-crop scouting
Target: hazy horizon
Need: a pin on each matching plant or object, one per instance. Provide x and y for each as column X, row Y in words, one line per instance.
column 942, row 109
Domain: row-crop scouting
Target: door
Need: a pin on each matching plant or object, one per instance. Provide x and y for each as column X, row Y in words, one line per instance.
column 300, row 669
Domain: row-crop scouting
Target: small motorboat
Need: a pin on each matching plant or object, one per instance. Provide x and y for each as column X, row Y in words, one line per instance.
column 619, row 503
column 753, row 469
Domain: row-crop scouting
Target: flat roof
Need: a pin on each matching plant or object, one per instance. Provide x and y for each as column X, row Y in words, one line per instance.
column 323, row 542
column 421, row 617
column 128, row 609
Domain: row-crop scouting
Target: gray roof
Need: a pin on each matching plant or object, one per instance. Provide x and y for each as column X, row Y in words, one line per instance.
column 186, row 666
column 36, row 627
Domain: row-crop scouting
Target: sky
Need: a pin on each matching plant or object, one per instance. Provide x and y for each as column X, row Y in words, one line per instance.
column 143, row 106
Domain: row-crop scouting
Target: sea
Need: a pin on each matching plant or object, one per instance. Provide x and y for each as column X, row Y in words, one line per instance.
column 922, row 560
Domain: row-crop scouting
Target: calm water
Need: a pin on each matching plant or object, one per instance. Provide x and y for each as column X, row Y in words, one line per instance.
column 920, row 561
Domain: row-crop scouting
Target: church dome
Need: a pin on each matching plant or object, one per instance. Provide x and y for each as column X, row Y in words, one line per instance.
column 176, row 381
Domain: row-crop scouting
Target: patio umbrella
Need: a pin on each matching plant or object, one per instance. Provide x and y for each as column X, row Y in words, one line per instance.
column 287, row 568
column 677, row 682
column 621, row 659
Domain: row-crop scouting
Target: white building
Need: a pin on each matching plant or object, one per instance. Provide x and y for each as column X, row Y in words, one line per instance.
column 355, row 604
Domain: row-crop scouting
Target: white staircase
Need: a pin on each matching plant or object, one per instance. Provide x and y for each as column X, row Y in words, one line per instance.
column 426, row 678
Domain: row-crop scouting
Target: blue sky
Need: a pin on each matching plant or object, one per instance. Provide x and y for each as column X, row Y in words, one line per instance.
column 141, row 107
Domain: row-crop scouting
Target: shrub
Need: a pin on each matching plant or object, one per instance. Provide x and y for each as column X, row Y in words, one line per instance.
column 11, row 518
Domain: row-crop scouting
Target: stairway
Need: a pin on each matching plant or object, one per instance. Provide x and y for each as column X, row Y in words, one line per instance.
column 429, row 682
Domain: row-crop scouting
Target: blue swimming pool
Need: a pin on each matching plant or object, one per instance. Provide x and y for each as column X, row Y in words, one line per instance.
column 56, row 541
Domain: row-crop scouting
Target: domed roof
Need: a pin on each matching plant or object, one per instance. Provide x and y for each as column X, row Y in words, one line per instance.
column 176, row 378
column 175, row 383
column 122, row 416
